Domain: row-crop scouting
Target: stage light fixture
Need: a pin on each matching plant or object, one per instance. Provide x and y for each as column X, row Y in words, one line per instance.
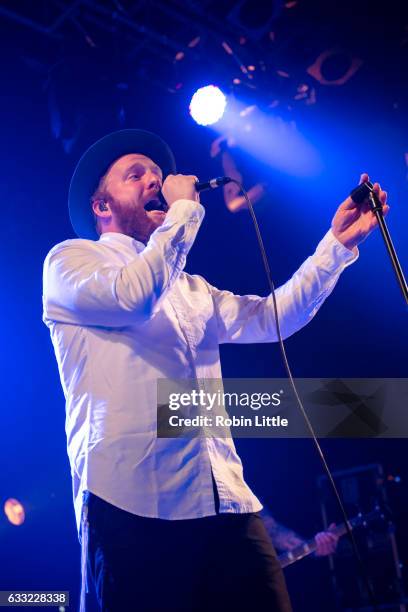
column 207, row 105
column 255, row 17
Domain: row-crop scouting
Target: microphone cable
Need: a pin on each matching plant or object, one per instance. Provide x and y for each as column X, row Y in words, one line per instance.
column 349, row 531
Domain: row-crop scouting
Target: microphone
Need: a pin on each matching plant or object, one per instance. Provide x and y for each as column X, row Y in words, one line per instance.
column 365, row 191
column 200, row 186
column 212, row 183
column 361, row 193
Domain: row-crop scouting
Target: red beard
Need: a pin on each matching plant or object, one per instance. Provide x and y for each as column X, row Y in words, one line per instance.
column 133, row 220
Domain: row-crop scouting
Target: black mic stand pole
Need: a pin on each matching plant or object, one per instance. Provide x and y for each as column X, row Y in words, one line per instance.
column 359, row 195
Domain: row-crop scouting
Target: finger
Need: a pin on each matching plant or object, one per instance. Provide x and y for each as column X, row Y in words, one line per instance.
column 328, row 545
column 327, row 538
column 324, row 541
column 319, row 546
column 332, row 539
column 191, row 177
column 170, row 178
column 348, row 204
column 323, row 549
column 383, row 196
column 374, row 220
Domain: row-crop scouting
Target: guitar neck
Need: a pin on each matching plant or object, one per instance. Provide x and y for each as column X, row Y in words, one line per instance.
column 307, row 548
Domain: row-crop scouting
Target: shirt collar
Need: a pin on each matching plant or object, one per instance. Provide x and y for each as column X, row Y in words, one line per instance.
column 116, row 238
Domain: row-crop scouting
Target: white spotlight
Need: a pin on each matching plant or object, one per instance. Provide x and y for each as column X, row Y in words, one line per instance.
column 207, row 105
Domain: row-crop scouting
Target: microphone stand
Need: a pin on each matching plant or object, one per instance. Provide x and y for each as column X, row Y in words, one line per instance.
column 359, row 195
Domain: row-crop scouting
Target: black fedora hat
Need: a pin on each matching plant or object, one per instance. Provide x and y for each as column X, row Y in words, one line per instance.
column 95, row 162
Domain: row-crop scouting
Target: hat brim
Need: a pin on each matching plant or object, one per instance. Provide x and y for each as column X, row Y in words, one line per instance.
column 95, row 162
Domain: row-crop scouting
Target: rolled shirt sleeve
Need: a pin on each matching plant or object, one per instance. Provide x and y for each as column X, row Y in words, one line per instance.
column 82, row 286
column 250, row 318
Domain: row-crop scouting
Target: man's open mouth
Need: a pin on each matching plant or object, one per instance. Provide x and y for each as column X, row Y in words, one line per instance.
column 156, row 205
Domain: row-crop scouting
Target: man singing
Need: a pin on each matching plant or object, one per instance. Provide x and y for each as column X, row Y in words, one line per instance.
column 165, row 524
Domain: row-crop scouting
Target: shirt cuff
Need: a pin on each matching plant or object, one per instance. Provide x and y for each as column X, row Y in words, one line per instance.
column 183, row 210
column 333, row 254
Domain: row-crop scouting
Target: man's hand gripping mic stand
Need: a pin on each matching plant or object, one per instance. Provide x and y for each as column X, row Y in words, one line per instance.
column 365, row 192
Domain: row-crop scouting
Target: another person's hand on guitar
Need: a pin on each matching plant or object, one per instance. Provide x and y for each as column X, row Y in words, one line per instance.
column 326, row 542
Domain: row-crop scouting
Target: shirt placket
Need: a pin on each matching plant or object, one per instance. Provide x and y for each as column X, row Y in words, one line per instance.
column 208, row 447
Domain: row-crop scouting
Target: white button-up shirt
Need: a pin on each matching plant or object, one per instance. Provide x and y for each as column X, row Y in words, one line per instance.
column 122, row 315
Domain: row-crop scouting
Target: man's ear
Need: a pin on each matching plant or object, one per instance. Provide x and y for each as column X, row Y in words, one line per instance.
column 99, row 206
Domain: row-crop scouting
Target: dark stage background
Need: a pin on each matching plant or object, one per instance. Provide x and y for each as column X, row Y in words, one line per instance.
column 63, row 88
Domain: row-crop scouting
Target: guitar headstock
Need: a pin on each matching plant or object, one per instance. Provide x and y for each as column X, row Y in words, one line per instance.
column 364, row 520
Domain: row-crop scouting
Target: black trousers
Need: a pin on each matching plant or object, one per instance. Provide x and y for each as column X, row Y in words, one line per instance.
column 219, row 563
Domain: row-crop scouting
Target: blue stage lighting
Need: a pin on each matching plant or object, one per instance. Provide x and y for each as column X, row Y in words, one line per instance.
column 207, row 105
